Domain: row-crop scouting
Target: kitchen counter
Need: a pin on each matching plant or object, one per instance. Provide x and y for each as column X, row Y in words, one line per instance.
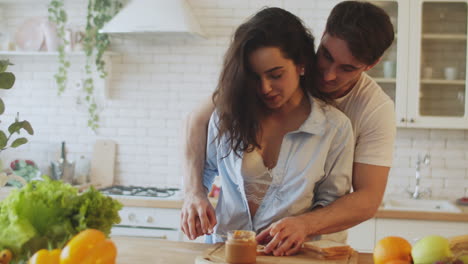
column 381, row 213
column 147, row 250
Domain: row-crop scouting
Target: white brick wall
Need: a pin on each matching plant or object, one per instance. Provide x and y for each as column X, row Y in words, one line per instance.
column 156, row 80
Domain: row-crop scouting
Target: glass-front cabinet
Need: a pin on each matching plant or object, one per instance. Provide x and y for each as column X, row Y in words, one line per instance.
column 392, row 71
column 440, row 65
column 424, row 71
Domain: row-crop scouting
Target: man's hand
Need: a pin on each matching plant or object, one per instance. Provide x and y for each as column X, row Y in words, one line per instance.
column 287, row 236
column 198, row 216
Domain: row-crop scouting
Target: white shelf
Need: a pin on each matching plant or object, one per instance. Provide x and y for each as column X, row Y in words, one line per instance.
column 444, row 82
column 445, row 36
column 46, row 53
column 385, row 80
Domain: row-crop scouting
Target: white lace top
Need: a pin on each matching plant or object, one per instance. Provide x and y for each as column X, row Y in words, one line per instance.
column 257, row 179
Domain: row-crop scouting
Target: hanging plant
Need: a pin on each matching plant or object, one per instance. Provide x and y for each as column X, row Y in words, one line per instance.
column 94, row 43
column 58, row 15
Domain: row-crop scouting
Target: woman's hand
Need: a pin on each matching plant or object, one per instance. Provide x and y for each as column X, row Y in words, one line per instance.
column 198, row 216
column 287, row 236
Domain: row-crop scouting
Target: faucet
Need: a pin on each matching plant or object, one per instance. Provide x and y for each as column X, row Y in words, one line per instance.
column 426, row 160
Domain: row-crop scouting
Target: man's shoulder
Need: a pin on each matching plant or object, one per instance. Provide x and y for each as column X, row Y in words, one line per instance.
column 369, row 88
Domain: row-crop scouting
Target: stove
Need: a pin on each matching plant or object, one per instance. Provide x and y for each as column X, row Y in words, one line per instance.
column 138, row 191
column 161, row 223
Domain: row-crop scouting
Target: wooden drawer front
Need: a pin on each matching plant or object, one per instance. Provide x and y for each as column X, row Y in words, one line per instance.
column 150, row 217
column 172, row 235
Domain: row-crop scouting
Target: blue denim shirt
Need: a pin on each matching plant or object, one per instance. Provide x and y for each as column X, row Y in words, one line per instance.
column 314, row 168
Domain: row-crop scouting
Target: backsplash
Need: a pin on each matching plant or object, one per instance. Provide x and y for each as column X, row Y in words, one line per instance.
column 156, row 80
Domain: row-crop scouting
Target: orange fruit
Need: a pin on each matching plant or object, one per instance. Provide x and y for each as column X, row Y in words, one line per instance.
column 398, row 261
column 392, row 250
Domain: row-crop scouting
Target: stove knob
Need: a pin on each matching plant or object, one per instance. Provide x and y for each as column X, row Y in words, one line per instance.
column 131, row 217
column 149, row 219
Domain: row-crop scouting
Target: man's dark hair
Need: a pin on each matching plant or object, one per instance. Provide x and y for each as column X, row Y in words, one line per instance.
column 366, row 28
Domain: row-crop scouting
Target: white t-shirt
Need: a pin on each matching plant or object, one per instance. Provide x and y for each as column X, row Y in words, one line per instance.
column 372, row 115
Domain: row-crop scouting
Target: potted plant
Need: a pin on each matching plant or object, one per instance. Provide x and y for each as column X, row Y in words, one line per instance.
column 11, row 138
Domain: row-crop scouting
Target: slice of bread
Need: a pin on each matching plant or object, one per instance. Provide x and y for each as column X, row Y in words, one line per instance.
column 459, row 245
column 328, row 248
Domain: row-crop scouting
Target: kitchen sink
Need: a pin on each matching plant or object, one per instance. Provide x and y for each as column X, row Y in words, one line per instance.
column 421, row 205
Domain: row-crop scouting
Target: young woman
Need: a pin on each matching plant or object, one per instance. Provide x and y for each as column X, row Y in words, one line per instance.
column 277, row 145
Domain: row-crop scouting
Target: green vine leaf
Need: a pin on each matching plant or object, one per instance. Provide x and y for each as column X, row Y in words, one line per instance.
column 94, row 43
column 15, row 127
column 4, row 65
column 18, row 142
column 58, row 15
column 99, row 12
column 27, row 126
column 3, row 140
column 2, row 107
column 7, row 80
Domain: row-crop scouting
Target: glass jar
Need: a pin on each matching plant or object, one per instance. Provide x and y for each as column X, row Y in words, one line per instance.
column 241, row 247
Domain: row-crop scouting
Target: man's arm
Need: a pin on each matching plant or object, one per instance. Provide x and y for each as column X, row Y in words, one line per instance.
column 198, row 216
column 196, row 127
column 369, row 183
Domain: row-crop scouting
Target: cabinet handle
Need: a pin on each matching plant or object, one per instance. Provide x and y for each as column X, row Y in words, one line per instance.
column 161, row 237
column 411, row 120
column 403, row 120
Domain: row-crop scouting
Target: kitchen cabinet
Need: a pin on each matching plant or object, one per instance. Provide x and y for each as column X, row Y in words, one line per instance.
column 424, row 71
column 364, row 236
column 158, row 223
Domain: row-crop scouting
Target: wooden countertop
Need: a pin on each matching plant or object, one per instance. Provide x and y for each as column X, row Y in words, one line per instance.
column 148, row 250
column 430, row 216
column 381, row 213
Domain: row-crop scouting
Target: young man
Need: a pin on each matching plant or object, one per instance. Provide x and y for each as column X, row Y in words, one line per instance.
column 355, row 38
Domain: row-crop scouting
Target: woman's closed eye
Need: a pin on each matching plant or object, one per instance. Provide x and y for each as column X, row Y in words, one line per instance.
column 275, row 76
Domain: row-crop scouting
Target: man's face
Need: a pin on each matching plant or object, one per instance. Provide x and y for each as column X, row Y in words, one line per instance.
column 338, row 69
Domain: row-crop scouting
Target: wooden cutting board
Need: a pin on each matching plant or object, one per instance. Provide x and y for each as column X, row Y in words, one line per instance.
column 215, row 255
column 102, row 164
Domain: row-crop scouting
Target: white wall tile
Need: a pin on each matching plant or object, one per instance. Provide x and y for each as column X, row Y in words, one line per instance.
column 448, row 173
column 157, row 80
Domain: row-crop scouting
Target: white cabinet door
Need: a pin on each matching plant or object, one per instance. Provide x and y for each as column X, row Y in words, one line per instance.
column 413, row 230
column 395, row 81
column 430, row 56
column 362, row 236
column 437, row 64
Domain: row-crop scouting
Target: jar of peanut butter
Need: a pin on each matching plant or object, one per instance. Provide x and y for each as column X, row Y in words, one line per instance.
column 241, row 247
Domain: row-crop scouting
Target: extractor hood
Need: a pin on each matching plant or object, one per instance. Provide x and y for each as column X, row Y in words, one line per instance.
column 154, row 16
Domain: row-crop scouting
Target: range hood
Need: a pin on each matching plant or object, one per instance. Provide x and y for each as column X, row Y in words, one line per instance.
column 154, row 16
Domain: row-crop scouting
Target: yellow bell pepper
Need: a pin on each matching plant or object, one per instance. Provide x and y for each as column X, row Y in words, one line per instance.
column 89, row 247
column 45, row 256
column 5, row 256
